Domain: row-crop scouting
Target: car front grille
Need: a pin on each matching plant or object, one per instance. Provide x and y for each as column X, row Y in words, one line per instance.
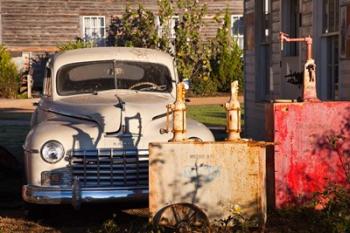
column 110, row 167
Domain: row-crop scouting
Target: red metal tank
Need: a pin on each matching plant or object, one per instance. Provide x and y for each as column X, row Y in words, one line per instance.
column 312, row 149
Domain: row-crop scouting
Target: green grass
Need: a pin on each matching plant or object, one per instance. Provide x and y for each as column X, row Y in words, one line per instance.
column 208, row 114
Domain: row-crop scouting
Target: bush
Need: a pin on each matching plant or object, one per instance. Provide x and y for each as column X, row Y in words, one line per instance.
column 78, row 43
column 226, row 61
column 8, row 75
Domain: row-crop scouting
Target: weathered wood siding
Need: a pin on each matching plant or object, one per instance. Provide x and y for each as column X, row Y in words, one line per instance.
column 37, row 24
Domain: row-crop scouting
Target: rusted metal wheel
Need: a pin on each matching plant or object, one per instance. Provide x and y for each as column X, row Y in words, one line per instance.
column 181, row 218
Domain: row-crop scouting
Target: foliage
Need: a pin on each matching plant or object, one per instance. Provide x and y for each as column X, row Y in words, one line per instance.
column 236, row 222
column 110, row 226
column 226, row 60
column 334, row 206
column 9, row 82
column 136, row 28
column 78, row 43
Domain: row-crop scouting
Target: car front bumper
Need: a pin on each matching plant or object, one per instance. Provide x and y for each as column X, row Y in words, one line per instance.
column 76, row 196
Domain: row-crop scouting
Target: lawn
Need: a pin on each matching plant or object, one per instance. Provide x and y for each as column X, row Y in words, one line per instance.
column 211, row 115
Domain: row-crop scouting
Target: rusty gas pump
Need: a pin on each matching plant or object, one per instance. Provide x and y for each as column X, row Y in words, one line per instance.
column 178, row 109
column 233, row 114
column 309, row 82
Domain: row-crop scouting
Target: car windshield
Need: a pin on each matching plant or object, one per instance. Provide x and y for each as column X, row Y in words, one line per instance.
column 92, row 77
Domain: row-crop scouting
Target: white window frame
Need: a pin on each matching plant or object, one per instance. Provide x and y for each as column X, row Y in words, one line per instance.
column 172, row 23
column 239, row 37
column 96, row 27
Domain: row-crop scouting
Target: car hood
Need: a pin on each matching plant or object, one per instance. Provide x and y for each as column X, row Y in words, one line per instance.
column 111, row 110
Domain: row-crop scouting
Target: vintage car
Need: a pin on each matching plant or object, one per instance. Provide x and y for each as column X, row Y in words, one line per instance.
column 100, row 109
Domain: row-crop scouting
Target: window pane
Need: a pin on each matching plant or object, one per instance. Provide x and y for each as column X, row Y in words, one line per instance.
column 86, row 22
column 330, row 16
column 102, row 22
column 237, row 25
column 94, row 22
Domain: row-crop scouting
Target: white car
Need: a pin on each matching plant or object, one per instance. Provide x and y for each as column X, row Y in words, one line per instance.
column 100, row 109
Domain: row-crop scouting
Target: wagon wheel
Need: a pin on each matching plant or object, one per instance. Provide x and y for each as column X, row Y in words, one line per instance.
column 181, row 218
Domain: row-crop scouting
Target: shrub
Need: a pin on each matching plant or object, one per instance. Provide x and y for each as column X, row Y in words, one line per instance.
column 226, row 61
column 78, row 43
column 8, row 75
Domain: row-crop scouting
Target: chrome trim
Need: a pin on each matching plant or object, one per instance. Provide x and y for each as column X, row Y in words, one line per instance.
column 109, row 167
column 32, row 151
column 76, row 193
column 57, row 195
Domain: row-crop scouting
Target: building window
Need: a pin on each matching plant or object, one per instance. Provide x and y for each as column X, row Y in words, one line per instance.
column 330, row 30
column 237, row 29
column 93, row 28
column 330, row 16
column 290, row 25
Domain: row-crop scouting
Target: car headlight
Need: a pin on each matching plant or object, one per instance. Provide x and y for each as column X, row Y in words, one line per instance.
column 52, row 151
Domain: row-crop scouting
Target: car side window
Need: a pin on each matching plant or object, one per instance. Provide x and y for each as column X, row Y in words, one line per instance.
column 48, row 83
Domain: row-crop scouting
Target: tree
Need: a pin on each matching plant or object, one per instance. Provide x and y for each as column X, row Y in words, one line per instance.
column 192, row 54
column 226, row 61
column 136, row 28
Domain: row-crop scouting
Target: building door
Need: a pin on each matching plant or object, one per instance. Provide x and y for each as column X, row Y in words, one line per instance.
column 290, row 60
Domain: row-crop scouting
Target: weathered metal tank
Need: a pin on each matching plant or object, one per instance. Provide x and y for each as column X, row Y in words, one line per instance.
column 194, row 183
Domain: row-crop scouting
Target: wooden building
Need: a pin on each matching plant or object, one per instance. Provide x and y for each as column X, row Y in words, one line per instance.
column 269, row 70
column 39, row 25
